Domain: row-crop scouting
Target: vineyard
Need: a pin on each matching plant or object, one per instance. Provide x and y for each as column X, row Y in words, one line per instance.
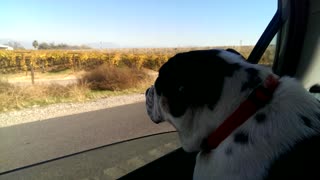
column 55, row 60
column 106, row 72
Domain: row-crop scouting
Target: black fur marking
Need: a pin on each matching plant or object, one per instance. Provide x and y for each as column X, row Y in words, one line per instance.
column 204, row 145
column 300, row 162
column 252, row 71
column 233, row 67
column 253, row 79
column 318, row 115
column 210, row 107
column 306, row 121
column 195, row 71
column 315, row 88
column 260, row 117
column 228, row 151
column 241, row 138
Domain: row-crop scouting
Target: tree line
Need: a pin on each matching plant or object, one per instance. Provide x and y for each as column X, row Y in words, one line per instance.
column 62, row 46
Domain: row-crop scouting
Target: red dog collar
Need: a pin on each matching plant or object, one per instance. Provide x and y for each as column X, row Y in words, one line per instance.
column 256, row 100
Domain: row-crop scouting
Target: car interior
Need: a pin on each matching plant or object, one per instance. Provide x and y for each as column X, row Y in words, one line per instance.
column 295, row 30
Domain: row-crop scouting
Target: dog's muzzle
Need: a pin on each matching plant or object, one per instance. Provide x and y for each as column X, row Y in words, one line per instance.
column 153, row 106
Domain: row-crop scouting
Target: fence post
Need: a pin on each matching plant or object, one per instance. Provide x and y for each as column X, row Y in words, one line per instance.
column 32, row 74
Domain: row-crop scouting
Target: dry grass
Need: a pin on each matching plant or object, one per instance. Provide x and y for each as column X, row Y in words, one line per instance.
column 17, row 97
column 102, row 82
column 108, row 77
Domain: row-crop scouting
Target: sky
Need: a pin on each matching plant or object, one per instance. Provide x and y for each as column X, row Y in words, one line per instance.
column 136, row 23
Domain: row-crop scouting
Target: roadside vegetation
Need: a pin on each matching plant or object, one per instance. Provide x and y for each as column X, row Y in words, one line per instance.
column 101, row 82
column 100, row 73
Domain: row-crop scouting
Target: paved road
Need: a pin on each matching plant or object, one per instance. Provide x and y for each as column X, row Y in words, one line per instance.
column 105, row 163
column 29, row 143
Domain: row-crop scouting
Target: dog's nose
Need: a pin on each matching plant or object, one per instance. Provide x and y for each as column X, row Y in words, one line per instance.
column 147, row 91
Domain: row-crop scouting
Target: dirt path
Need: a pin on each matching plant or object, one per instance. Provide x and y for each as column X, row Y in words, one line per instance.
column 23, row 80
column 63, row 80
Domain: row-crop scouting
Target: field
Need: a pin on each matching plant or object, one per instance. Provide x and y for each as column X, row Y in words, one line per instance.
column 94, row 73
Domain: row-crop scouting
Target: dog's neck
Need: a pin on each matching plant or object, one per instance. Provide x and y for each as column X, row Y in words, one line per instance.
column 258, row 98
column 196, row 125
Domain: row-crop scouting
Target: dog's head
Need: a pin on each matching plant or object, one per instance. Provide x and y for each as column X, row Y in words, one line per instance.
column 196, row 90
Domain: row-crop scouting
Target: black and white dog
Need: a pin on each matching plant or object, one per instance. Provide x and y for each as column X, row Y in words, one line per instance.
column 246, row 122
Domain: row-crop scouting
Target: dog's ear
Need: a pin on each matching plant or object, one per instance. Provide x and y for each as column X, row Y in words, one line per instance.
column 235, row 52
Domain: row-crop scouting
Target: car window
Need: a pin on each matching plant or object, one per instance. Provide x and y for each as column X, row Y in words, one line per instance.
column 73, row 73
column 268, row 56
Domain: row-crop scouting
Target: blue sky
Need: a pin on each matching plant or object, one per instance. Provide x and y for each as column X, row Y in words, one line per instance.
column 137, row 23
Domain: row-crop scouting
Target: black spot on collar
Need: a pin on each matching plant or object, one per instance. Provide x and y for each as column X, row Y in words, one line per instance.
column 241, row 138
column 260, row 117
column 306, row 121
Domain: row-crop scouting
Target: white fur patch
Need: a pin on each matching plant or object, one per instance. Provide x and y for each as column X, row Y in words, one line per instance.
column 280, row 131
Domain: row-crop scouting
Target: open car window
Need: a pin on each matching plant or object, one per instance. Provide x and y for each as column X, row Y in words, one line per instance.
column 57, row 106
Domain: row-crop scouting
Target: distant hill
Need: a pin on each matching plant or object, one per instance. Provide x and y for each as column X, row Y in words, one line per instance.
column 24, row 44
column 93, row 45
column 103, row 45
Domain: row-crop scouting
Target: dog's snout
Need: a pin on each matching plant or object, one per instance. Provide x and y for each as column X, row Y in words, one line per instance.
column 147, row 91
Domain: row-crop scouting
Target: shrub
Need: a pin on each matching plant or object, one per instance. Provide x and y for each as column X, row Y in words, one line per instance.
column 109, row 77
